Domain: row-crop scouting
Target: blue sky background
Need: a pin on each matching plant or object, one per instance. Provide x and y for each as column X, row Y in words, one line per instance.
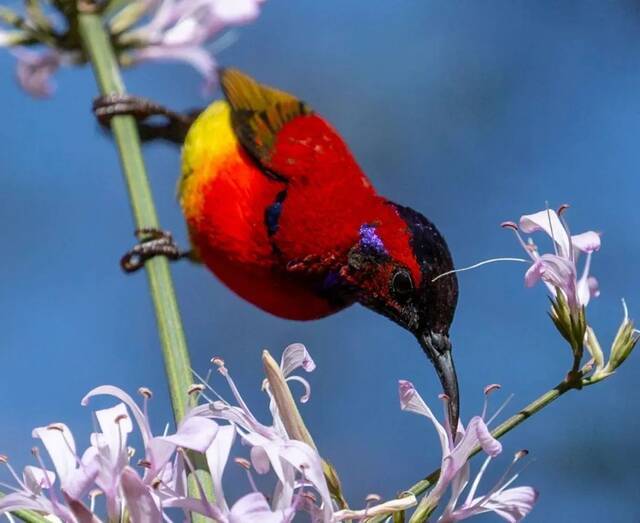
column 471, row 112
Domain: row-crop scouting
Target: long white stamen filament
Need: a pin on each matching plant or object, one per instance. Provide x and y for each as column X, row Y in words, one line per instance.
column 15, row 476
column 500, row 409
column 476, row 481
column 205, row 382
column 480, row 264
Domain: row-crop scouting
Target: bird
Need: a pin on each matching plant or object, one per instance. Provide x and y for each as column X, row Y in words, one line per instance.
column 278, row 209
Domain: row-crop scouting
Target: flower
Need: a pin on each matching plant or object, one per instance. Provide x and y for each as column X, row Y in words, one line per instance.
column 175, row 30
column 512, row 504
column 36, row 69
column 558, row 269
column 179, row 29
column 105, row 466
column 295, row 463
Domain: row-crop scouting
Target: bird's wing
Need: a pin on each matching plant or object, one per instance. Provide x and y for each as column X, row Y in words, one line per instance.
column 285, row 136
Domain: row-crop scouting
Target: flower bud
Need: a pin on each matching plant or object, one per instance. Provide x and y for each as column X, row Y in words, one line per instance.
column 594, row 349
column 624, row 342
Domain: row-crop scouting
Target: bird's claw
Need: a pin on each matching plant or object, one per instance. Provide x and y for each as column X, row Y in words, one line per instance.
column 153, row 242
column 174, row 127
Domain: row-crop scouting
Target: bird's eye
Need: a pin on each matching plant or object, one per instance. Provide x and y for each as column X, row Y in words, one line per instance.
column 401, row 285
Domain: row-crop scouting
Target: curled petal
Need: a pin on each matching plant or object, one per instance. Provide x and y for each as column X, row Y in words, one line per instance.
column 294, row 356
column 307, row 388
column 477, row 433
column 411, row 401
column 512, row 504
column 110, row 390
column 556, row 272
column 548, row 222
column 586, row 242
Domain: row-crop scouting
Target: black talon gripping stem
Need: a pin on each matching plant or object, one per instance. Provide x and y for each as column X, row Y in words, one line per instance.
column 154, row 242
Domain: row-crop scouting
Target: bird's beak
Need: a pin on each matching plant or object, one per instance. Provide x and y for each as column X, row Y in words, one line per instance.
column 438, row 349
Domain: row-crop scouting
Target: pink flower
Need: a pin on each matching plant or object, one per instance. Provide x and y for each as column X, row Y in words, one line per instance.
column 105, row 466
column 511, row 504
column 294, row 463
column 36, row 69
column 179, row 30
column 558, row 270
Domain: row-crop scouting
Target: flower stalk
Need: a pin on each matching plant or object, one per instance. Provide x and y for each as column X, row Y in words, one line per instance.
column 174, row 347
column 99, row 49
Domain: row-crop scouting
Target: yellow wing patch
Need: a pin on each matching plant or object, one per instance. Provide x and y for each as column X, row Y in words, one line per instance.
column 258, row 112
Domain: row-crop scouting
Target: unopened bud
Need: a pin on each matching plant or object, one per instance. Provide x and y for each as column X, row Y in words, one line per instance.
column 624, row 342
column 4, row 459
column 521, row 454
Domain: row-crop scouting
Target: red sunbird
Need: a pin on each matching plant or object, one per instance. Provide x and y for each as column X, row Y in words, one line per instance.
column 279, row 210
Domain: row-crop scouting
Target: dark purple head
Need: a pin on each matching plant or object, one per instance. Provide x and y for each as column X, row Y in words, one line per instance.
column 395, row 269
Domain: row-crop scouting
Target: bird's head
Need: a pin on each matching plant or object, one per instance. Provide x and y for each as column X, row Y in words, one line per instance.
column 393, row 270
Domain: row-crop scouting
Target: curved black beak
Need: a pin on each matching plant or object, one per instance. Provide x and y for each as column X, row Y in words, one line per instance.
column 438, row 349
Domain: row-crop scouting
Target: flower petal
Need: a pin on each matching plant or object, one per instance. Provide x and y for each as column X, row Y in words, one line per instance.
column 110, row 390
column 254, row 508
column 196, row 57
column 512, row 504
column 548, row 222
column 217, row 455
column 237, row 11
column 142, row 506
column 194, row 433
column 295, row 356
column 586, row 242
column 555, row 271
column 411, row 401
column 58, row 441
column 37, row 479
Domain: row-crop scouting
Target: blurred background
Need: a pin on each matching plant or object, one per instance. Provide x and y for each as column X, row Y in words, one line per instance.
column 473, row 113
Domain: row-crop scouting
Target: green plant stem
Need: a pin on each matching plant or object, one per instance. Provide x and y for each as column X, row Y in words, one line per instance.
column 99, row 49
column 421, row 514
column 125, row 132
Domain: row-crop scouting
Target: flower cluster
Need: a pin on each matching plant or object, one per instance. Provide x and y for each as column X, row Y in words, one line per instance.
column 572, row 291
column 159, row 481
column 142, row 30
column 512, row 504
